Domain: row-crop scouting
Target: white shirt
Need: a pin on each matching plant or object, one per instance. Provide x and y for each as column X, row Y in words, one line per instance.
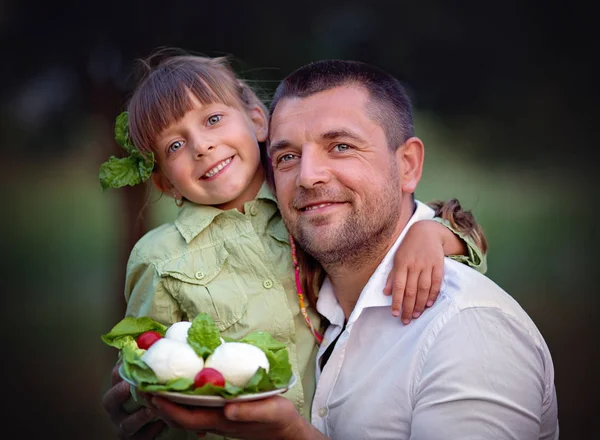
column 473, row 366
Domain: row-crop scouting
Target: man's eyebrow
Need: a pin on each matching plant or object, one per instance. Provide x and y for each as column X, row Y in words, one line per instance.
column 279, row 145
column 341, row 133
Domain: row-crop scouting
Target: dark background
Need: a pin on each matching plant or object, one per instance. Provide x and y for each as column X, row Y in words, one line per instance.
column 503, row 101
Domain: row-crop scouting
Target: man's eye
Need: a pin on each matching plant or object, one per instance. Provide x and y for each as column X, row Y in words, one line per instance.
column 286, row 158
column 214, row 119
column 342, row 147
column 175, row 146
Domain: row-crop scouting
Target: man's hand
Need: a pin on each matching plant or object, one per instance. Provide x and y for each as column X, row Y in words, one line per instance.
column 137, row 425
column 274, row 417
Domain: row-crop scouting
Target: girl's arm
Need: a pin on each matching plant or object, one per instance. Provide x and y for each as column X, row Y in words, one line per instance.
column 416, row 277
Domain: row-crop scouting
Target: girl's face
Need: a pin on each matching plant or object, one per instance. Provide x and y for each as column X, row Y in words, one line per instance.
column 211, row 156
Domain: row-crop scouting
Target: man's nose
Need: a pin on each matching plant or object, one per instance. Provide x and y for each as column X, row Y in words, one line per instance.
column 313, row 170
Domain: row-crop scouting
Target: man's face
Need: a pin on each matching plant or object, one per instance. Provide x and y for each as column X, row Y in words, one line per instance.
column 338, row 183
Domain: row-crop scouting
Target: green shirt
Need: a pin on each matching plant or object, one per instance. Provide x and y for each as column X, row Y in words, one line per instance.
column 235, row 267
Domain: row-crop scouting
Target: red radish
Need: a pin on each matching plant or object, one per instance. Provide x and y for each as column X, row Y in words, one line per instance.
column 146, row 339
column 209, row 375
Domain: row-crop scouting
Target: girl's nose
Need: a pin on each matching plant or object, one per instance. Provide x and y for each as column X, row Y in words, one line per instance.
column 202, row 148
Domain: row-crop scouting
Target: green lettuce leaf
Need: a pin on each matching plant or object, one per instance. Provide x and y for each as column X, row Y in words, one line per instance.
column 179, row 385
column 280, row 369
column 135, row 368
column 204, row 335
column 264, row 341
column 228, row 390
column 130, row 328
column 259, row 382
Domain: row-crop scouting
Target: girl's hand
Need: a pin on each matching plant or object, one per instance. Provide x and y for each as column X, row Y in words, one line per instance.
column 415, row 280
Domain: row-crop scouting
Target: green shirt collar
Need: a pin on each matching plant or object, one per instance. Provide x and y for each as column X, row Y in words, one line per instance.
column 193, row 218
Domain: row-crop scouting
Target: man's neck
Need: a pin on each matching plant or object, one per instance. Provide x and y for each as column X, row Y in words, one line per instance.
column 348, row 280
column 348, row 283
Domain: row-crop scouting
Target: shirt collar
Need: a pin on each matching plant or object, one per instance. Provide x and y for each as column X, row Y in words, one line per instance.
column 194, row 218
column 372, row 294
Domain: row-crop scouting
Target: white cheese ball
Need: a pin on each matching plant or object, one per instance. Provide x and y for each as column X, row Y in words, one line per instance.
column 170, row 359
column 237, row 361
column 178, row 331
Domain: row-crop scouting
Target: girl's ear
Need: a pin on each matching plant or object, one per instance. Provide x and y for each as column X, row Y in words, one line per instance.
column 261, row 123
column 163, row 184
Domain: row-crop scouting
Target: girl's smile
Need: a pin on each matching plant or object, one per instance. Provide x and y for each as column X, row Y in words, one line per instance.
column 216, row 170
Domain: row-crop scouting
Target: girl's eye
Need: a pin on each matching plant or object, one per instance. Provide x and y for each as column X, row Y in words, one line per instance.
column 175, row 146
column 286, row 158
column 214, row 119
column 342, row 147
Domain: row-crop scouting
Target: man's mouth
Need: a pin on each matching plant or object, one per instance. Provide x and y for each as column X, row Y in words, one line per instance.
column 313, row 207
column 318, row 206
column 214, row 170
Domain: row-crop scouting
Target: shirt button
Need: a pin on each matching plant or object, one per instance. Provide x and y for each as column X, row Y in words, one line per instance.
column 253, row 210
column 322, row 412
column 267, row 284
column 199, row 275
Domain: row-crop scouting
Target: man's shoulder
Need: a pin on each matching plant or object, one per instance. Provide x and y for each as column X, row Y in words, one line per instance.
column 466, row 289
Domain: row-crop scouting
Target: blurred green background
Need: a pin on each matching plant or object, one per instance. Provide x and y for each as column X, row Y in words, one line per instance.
column 501, row 93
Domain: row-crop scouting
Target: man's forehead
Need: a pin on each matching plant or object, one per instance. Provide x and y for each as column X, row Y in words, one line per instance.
column 337, row 103
column 328, row 98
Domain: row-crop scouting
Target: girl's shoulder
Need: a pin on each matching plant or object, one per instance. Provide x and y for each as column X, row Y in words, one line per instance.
column 159, row 243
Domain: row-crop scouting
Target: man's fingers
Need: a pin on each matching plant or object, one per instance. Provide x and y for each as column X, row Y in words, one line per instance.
column 200, row 419
column 148, row 432
column 135, row 422
column 261, row 411
column 115, row 377
column 113, row 399
column 398, row 287
column 410, row 295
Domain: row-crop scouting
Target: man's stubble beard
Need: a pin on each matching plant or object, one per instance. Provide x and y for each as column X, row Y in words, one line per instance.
column 364, row 234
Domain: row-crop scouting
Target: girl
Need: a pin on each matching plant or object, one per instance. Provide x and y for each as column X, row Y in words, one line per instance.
column 200, row 133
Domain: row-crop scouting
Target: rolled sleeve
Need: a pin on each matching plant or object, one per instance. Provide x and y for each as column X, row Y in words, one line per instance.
column 475, row 257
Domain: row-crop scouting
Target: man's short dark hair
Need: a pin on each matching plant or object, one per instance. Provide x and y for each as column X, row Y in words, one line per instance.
column 389, row 105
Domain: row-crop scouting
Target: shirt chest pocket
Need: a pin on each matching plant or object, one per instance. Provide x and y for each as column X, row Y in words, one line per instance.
column 203, row 282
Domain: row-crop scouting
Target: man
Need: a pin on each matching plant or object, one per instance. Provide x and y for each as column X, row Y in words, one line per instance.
column 346, row 161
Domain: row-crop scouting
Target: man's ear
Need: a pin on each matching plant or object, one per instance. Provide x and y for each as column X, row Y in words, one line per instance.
column 163, row 184
column 410, row 158
column 261, row 123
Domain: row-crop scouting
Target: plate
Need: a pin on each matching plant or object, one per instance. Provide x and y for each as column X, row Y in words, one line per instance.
column 214, row 401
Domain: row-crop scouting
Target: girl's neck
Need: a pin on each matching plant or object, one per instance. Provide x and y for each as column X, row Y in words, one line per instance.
column 248, row 194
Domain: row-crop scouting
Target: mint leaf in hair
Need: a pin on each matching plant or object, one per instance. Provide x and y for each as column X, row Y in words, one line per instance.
column 122, row 133
column 145, row 164
column 130, row 170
